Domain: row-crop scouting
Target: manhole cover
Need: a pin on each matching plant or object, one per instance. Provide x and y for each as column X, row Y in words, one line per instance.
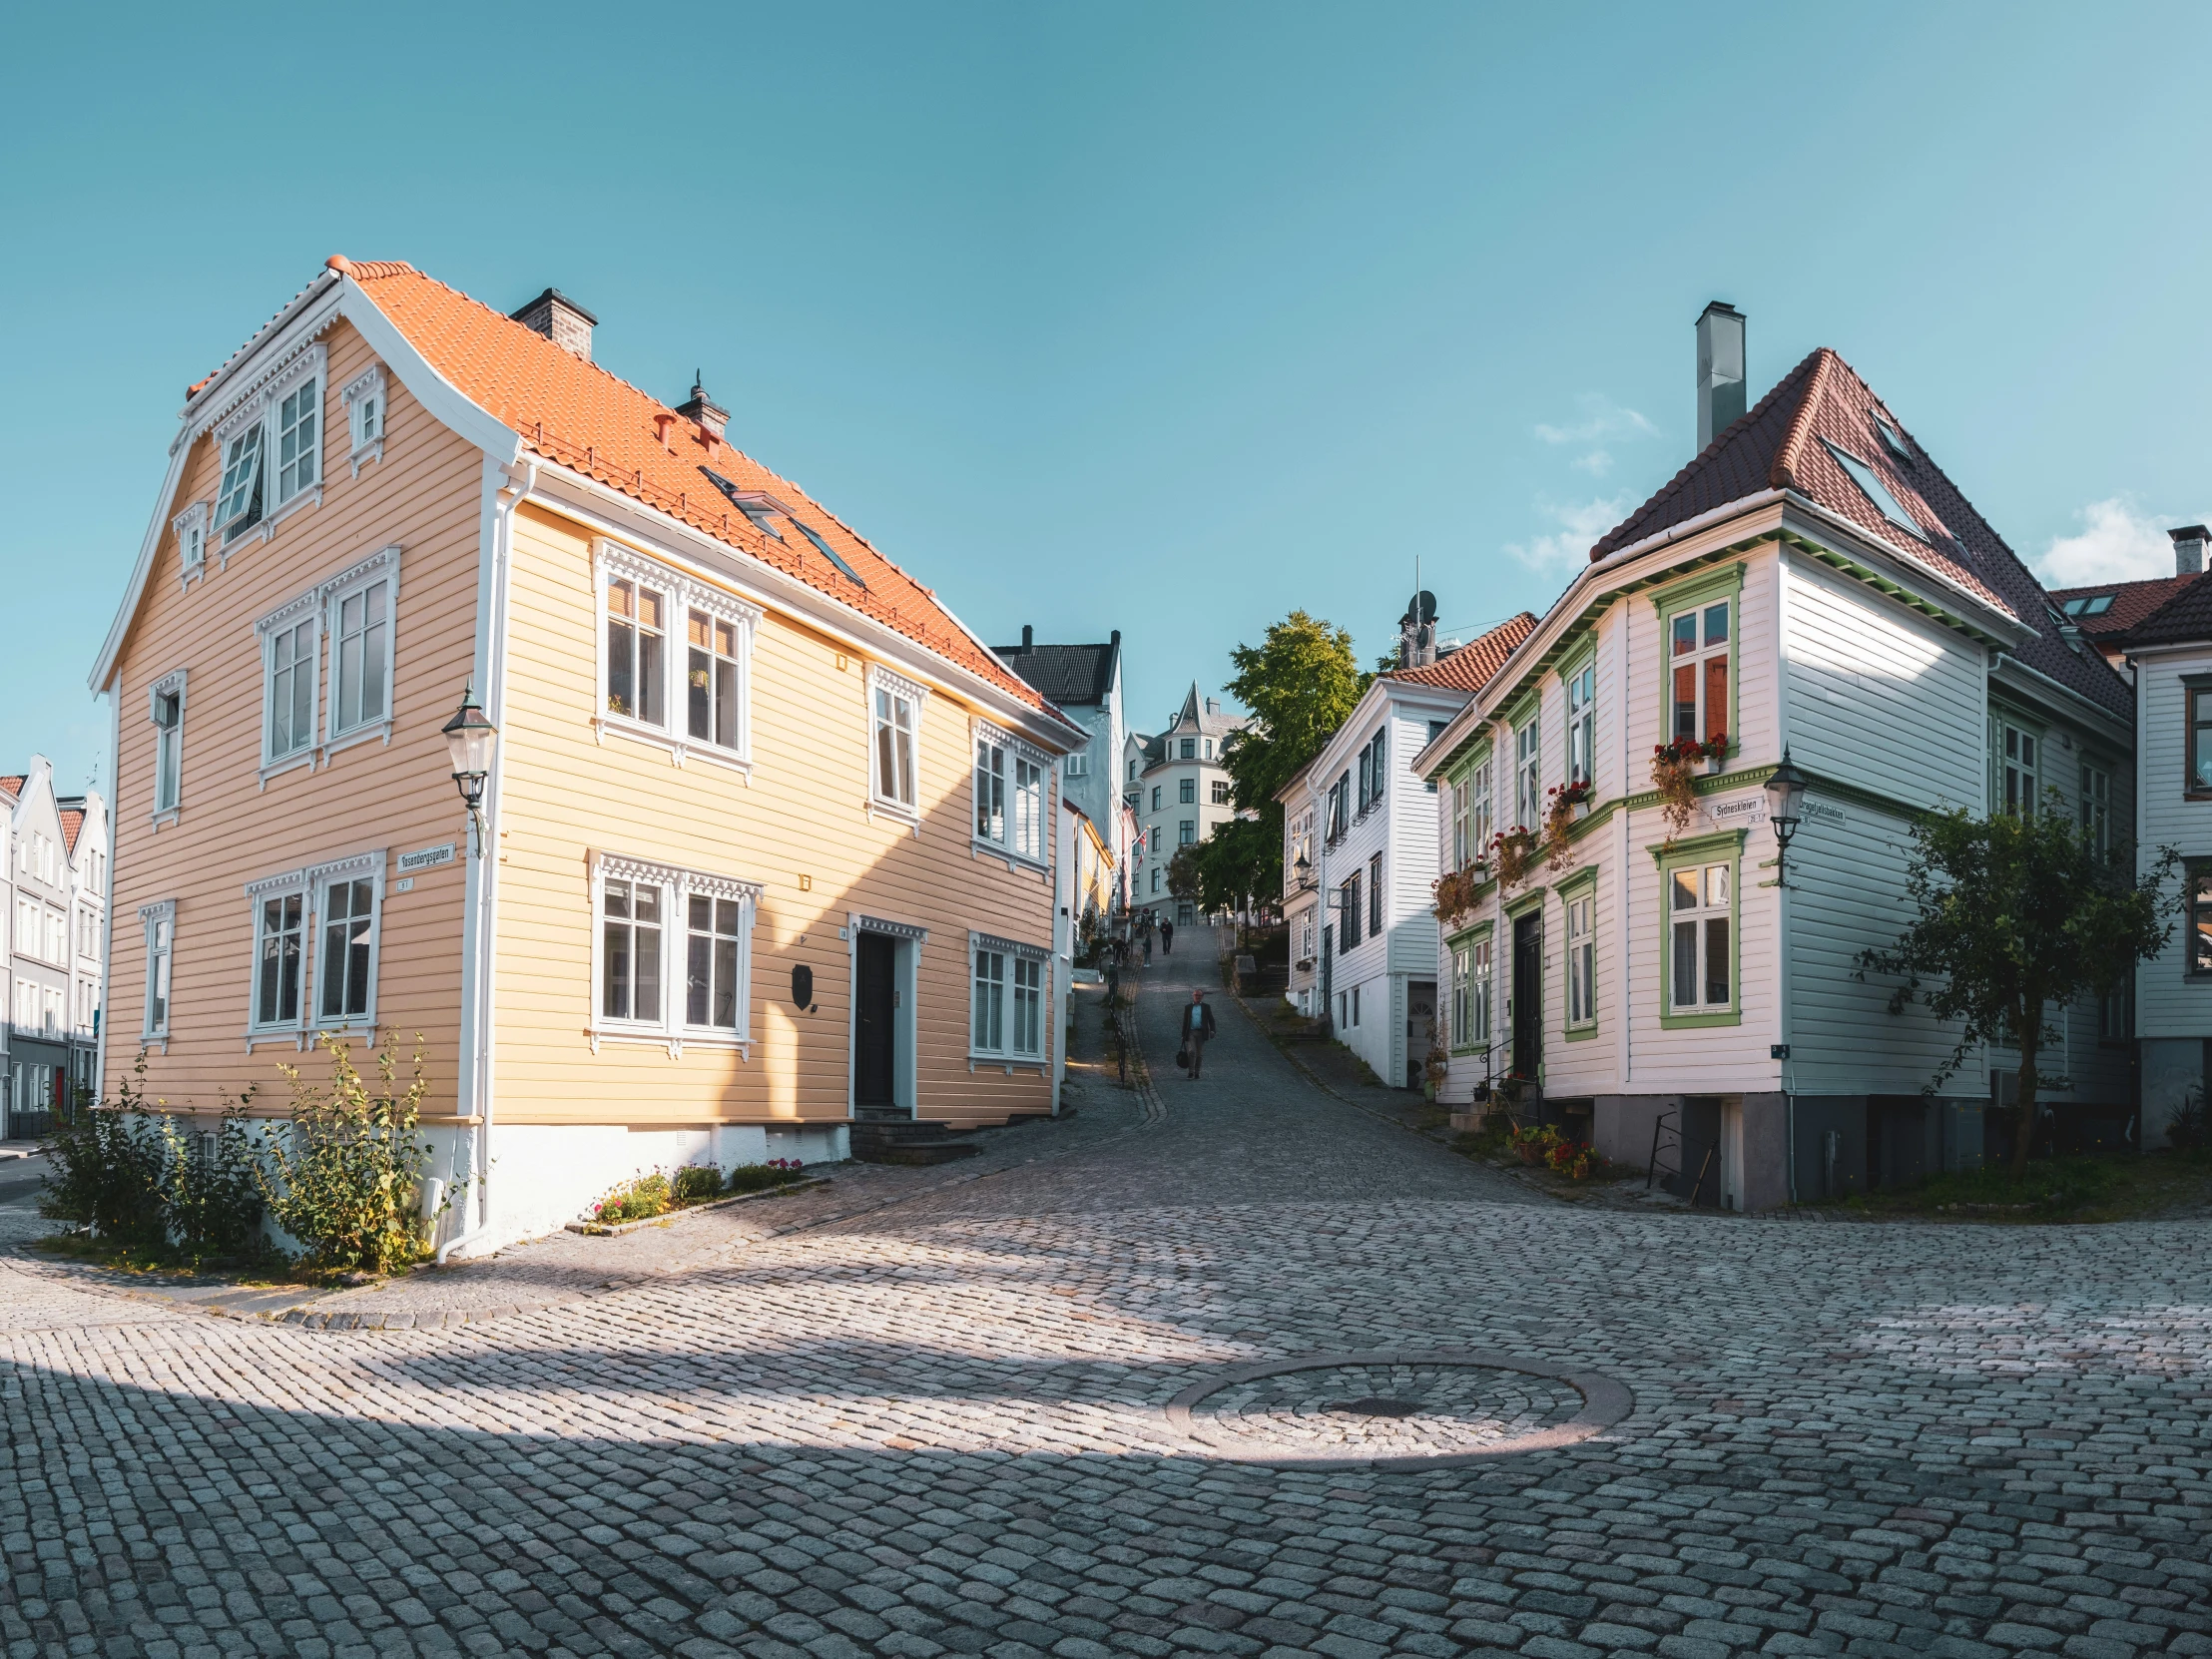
column 1394, row 1408
column 1374, row 1405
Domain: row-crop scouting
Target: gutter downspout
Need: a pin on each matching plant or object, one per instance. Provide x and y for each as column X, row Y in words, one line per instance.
column 522, row 479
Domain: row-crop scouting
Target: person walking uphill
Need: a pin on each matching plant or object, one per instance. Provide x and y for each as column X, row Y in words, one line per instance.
column 1198, row 1030
column 1167, row 938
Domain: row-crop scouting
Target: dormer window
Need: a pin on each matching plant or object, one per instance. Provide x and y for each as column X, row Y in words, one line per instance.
column 272, row 450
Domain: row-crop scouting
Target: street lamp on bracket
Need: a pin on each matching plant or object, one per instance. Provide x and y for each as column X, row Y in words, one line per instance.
column 470, row 738
column 1785, row 808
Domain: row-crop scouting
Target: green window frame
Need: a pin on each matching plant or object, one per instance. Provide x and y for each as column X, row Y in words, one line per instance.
column 1579, row 906
column 2017, row 756
column 1690, row 602
column 1578, row 684
column 1473, row 803
column 1695, row 859
column 2095, row 803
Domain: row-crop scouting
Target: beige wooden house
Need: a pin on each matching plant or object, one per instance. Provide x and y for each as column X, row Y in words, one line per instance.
column 768, row 832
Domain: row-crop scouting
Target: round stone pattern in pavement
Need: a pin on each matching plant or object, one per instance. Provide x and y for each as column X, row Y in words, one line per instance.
column 1394, row 1408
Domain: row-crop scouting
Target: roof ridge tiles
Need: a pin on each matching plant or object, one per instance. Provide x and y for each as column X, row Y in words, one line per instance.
column 1783, row 475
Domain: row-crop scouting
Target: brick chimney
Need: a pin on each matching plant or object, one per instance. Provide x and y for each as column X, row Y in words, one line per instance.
column 560, row 319
column 2189, row 549
column 711, row 416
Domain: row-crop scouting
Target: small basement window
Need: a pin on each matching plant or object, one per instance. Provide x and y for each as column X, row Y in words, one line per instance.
column 1870, row 485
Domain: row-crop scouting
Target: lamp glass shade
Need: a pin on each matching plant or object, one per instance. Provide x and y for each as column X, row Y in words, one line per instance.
column 469, row 738
column 1785, row 793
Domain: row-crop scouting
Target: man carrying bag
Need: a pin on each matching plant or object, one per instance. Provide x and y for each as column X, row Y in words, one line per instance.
column 1198, row 1030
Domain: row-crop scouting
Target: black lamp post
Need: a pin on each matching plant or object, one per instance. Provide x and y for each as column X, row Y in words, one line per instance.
column 469, row 738
column 1785, row 798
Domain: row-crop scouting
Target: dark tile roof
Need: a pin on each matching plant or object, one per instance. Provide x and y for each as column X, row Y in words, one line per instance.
column 2186, row 615
column 1072, row 676
column 2132, row 602
column 1470, row 668
column 1782, row 443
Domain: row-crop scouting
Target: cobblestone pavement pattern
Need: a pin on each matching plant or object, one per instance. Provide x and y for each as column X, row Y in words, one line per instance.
column 935, row 1425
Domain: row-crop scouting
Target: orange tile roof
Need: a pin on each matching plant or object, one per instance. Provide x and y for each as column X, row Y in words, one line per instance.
column 579, row 416
column 73, row 819
column 1470, row 667
column 12, row 787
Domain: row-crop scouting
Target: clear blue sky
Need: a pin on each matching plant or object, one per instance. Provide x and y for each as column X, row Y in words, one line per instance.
column 1163, row 318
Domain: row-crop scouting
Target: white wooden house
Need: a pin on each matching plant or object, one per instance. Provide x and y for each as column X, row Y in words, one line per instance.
column 1811, row 584
column 2171, row 650
column 1359, row 860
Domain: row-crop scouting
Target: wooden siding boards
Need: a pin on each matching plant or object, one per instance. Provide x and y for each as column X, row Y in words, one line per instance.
column 423, row 495
column 2169, row 1004
column 802, row 813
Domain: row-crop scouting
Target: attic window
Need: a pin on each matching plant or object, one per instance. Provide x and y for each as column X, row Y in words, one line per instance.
column 2094, row 604
column 828, row 552
column 1892, row 441
column 1870, row 484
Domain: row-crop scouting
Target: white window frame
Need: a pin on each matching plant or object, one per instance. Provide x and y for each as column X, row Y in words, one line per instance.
column 1703, row 651
column 1021, row 840
column 1582, row 723
column 677, row 886
column 263, row 411
column 159, row 919
column 284, row 622
column 1078, row 762
column 381, row 566
column 2019, row 767
column 1699, row 916
column 365, row 413
column 883, row 800
column 312, row 881
column 1481, row 981
column 2096, row 806
column 191, row 527
column 1581, row 908
column 1019, row 959
column 171, row 684
column 680, row 594
column 1528, row 775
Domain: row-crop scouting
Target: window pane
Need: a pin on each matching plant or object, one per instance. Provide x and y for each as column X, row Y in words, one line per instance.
column 726, row 703
column 1716, row 623
column 1685, row 965
column 1716, row 960
column 1685, row 890
column 905, row 759
column 1716, row 697
column 1685, row 634
column 1716, row 883
column 617, row 965
column 1685, row 699
column 698, row 684
column 726, row 980
column 650, row 672
column 621, row 668
column 2200, row 918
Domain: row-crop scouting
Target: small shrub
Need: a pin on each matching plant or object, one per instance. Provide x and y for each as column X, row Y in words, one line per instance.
column 109, row 1164
column 639, row 1198
column 696, row 1184
column 753, row 1178
column 343, row 1178
column 211, row 1200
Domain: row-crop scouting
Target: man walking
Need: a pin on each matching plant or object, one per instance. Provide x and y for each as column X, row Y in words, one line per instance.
column 1167, row 938
column 1198, row 1030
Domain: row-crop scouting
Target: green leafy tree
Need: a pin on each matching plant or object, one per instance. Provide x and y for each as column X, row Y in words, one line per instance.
column 1239, row 863
column 2017, row 916
column 1300, row 682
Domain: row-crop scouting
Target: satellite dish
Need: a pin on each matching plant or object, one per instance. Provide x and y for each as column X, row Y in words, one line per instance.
column 1425, row 605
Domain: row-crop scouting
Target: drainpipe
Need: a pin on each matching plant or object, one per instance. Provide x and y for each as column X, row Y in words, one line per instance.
column 521, row 481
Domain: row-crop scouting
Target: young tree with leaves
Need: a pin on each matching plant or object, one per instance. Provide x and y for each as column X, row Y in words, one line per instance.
column 2018, row 916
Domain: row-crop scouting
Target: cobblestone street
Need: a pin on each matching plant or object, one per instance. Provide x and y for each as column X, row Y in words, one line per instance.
column 926, row 1412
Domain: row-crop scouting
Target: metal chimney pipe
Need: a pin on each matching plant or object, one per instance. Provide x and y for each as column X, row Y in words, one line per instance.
column 1720, row 371
column 2189, row 543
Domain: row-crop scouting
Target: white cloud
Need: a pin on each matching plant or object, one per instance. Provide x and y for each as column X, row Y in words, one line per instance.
column 2116, row 544
column 1567, row 548
column 1597, row 463
column 1601, row 418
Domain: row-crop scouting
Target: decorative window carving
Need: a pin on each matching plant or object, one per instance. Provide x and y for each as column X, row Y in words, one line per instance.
column 650, row 921
column 298, row 989
column 1009, row 796
column 363, row 398
column 1005, row 1001
column 271, row 447
column 191, row 526
column 675, row 660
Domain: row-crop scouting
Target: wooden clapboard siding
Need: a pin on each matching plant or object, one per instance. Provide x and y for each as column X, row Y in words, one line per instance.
column 424, row 495
column 566, row 794
column 2167, row 1002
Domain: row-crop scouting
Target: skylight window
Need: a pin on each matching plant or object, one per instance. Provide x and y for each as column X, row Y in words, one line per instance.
column 2098, row 605
column 2072, row 607
column 1870, row 484
column 828, row 552
column 1892, row 441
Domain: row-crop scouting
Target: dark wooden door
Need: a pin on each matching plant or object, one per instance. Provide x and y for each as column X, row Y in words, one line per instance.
column 1528, row 994
column 875, row 1005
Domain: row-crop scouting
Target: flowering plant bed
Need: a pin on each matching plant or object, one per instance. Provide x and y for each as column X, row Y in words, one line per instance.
column 657, row 1197
column 1513, row 852
column 1674, row 776
column 1533, row 1146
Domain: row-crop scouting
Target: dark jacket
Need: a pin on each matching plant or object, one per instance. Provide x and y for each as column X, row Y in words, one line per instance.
column 1205, row 1028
